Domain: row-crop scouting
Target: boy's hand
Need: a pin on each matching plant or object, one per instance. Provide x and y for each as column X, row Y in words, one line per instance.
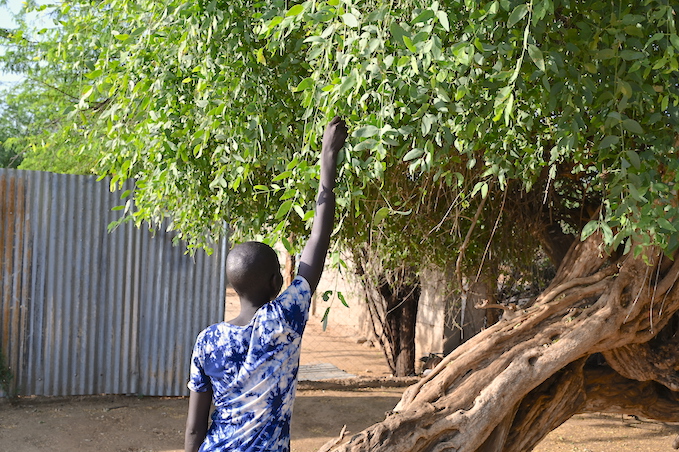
column 334, row 136
column 333, row 139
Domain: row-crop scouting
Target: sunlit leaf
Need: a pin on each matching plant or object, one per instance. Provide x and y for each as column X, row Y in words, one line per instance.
column 517, row 14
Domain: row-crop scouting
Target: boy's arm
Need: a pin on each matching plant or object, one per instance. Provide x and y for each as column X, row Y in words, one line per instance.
column 197, row 420
column 313, row 256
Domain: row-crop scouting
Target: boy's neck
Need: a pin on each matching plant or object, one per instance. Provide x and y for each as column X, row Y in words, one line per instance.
column 247, row 312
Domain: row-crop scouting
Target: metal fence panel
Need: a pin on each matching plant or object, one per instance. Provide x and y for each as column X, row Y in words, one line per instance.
column 84, row 311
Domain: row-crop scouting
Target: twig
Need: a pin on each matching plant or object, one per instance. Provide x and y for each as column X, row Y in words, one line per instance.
column 465, row 244
column 492, row 234
column 333, row 442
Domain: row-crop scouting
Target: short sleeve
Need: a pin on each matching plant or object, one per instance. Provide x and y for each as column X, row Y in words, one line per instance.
column 198, row 380
column 294, row 303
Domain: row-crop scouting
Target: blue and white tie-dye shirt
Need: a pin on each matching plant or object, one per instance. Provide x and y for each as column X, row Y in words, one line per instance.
column 252, row 371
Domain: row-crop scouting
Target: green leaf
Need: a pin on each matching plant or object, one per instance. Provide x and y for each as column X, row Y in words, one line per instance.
column 591, row 68
column 631, row 55
column 607, row 232
column 608, row 141
column 283, row 175
column 94, row 74
column 366, row 144
column 274, row 22
column 287, row 245
column 305, row 84
column 589, row 229
column 539, row 11
column 536, row 55
column 604, row 54
column 283, row 209
column 443, row 20
column 674, row 39
column 340, row 295
column 381, row 215
column 350, row 20
column 295, row 10
column 625, row 88
column 365, row 132
column 348, row 83
column 87, row 93
column 632, row 126
column 665, row 224
column 324, row 320
column 633, row 157
column 298, row 209
column 413, row 154
column 480, row 186
column 409, row 44
column 517, row 14
column 423, row 16
column 397, row 32
column 260, row 56
column 635, row 193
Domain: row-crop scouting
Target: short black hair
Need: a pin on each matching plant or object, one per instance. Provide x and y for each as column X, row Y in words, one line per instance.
column 250, row 267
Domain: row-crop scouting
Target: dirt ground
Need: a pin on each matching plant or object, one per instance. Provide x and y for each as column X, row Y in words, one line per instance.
column 136, row 424
column 131, row 424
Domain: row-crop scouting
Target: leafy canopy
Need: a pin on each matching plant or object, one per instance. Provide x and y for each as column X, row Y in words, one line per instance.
column 34, row 130
column 215, row 109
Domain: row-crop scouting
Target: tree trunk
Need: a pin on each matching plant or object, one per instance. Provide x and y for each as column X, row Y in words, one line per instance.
column 400, row 318
column 290, row 269
column 507, row 387
column 392, row 296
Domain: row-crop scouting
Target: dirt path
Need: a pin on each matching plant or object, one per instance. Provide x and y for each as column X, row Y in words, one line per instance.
column 132, row 424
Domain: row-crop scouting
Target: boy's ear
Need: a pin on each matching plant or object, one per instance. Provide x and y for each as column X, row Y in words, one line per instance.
column 276, row 283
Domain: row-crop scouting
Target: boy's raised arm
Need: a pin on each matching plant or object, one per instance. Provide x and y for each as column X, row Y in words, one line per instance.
column 313, row 257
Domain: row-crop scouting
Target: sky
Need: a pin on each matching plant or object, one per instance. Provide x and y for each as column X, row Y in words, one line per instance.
column 5, row 19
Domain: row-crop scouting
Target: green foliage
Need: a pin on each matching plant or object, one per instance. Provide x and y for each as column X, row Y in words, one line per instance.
column 216, row 108
column 35, row 131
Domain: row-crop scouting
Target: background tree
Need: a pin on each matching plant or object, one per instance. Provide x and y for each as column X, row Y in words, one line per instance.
column 8, row 157
column 480, row 130
column 40, row 127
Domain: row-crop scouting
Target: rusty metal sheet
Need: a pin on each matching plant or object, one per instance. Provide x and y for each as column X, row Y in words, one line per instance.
column 85, row 311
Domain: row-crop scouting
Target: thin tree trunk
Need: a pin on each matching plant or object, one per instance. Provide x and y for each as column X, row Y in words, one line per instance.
column 401, row 301
column 393, row 298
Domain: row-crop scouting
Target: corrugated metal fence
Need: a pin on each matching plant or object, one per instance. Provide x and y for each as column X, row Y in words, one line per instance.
column 88, row 312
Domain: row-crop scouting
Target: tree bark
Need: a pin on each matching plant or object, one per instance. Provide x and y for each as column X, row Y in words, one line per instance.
column 473, row 319
column 512, row 383
column 400, row 319
column 392, row 297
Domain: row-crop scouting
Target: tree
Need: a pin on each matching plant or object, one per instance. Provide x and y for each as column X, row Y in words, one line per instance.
column 482, row 131
column 36, row 130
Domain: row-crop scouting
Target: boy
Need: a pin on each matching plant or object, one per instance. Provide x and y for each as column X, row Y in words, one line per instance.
column 248, row 365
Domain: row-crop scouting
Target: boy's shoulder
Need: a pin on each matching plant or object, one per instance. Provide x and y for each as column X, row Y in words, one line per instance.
column 214, row 331
column 297, row 292
column 300, row 284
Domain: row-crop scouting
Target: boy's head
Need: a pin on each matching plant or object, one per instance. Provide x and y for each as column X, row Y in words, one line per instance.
column 253, row 270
